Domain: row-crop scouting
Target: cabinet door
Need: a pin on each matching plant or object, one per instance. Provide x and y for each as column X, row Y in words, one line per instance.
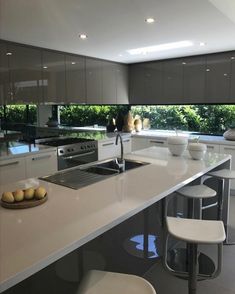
column 122, row 81
column 173, row 81
column 25, row 74
column 54, row 88
column 138, row 143
column 137, row 88
column 126, row 146
column 218, row 73
column 4, row 75
column 194, row 80
column 225, row 149
column 213, row 148
column 109, row 90
column 107, row 149
column 93, row 81
column 232, row 90
column 12, row 170
column 153, row 83
column 41, row 164
column 75, row 79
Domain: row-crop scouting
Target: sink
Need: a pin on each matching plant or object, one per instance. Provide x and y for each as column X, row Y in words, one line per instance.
column 110, row 167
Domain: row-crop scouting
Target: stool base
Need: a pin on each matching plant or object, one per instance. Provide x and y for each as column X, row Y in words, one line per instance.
column 177, row 260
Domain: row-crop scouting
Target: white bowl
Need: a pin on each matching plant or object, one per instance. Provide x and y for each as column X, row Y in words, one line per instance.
column 197, row 150
column 177, row 145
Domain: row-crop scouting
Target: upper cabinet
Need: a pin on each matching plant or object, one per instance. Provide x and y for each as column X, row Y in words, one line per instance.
column 194, row 82
column 232, row 93
column 218, row 73
column 75, row 78
column 53, row 75
column 137, row 83
column 93, row 81
column 109, row 92
column 122, row 80
column 25, row 74
column 173, row 81
column 4, row 74
column 154, row 83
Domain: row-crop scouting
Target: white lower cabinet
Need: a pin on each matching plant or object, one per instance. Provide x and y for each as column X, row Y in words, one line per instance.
column 214, row 148
column 41, row 164
column 225, row 149
column 138, row 143
column 108, row 148
column 12, row 170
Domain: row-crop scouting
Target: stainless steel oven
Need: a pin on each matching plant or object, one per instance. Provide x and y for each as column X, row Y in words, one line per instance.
column 72, row 151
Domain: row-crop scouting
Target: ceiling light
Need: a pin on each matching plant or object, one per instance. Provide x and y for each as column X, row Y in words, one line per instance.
column 150, row 20
column 232, row 57
column 45, row 67
column 183, row 63
column 73, row 62
column 83, row 36
column 202, row 44
column 161, row 47
column 8, row 53
column 208, row 69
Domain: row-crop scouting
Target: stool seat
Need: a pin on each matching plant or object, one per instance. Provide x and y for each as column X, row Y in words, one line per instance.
column 196, row 231
column 101, row 282
column 197, row 191
column 223, row 174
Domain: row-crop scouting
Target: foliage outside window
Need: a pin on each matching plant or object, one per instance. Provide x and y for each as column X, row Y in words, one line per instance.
column 21, row 114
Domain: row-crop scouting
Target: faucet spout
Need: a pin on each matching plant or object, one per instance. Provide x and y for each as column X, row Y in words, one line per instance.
column 120, row 164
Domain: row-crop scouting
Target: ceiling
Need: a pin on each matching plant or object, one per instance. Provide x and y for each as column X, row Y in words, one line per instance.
column 115, row 26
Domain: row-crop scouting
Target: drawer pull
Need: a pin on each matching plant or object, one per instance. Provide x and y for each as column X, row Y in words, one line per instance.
column 41, row 157
column 157, row 142
column 229, row 148
column 210, row 147
column 9, row 163
column 108, row 144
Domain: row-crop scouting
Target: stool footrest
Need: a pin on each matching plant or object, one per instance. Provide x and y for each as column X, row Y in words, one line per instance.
column 209, row 205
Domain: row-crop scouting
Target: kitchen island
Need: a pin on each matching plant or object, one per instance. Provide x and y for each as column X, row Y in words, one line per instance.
column 31, row 239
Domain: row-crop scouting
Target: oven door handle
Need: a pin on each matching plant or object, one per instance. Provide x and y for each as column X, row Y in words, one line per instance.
column 78, row 155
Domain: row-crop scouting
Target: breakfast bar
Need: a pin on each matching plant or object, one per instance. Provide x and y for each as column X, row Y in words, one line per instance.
column 31, row 239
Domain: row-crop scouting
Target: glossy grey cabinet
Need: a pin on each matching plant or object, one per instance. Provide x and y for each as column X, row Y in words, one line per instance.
column 53, row 74
column 75, row 78
column 218, row 73
column 109, row 86
column 25, row 74
column 93, row 81
column 194, row 79
column 232, row 89
column 122, row 82
column 4, row 75
column 137, row 83
column 172, row 81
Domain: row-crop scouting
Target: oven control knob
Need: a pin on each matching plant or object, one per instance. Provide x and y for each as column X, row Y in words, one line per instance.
column 61, row 151
column 68, row 150
column 82, row 147
column 88, row 146
column 72, row 150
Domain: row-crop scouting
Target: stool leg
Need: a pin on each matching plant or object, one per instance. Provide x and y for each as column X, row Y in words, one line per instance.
column 220, row 202
column 193, row 269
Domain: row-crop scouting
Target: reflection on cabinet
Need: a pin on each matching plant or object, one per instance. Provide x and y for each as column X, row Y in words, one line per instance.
column 12, row 170
column 41, row 164
column 122, row 81
column 53, row 71
column 173, row 81
column 75, row 78
column 218, row 74
column 93, row 81
column 109, row 92
column 4, row 74
column 25, row 74
column 194, row 79
column 232, row 93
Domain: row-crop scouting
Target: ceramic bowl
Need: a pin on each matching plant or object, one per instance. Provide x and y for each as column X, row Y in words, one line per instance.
column 197, row 150
column 177, row 145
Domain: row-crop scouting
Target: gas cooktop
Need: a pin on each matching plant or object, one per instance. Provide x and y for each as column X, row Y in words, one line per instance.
column 56, row 142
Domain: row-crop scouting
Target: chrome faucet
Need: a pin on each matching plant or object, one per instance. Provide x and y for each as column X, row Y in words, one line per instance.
column 121, row 164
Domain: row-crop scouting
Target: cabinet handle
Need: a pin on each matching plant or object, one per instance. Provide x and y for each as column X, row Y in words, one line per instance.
column 41, row 157
column 9, row 163
column 157, row 142
column 210, row 147
column 229, row 148
column 108, row 144
column 128, row 140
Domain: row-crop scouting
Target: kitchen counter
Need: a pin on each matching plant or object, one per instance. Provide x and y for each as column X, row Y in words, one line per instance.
column 31, row 239
column 15, row 149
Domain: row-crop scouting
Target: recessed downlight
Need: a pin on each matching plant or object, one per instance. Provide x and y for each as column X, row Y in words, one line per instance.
column 45, row 67
column 83, row 36
column 150, row 20
column 73, row 62
column 8, row 53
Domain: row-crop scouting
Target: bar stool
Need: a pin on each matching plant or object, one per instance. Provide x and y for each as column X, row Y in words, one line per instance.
column 178, row 257
column 225, row 175
column 195, row 232
column 102, row 282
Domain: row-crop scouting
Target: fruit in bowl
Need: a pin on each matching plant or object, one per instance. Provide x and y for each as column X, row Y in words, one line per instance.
column 177, row 145
column 197, row 150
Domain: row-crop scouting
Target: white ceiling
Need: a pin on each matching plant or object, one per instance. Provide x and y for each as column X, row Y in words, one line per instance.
column 114, row 26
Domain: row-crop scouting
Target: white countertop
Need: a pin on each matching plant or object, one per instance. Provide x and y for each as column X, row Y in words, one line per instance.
column 16, row 149
column 31, row 239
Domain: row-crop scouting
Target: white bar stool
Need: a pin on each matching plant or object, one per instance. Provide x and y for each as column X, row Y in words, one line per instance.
column 195, row 232
column 225, row 175
column 102, row 282
column 178, row 257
